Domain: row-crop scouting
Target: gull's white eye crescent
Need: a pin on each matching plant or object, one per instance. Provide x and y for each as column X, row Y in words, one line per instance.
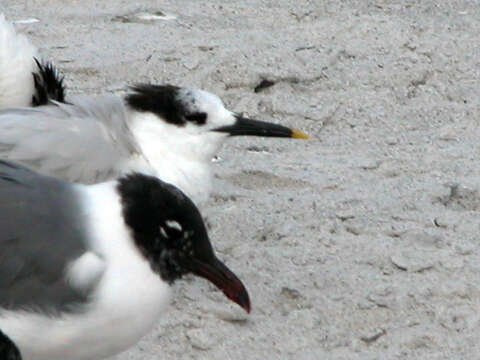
column 172, row 224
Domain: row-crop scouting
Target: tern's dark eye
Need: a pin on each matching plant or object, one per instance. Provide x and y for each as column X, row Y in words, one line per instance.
column 198, row 118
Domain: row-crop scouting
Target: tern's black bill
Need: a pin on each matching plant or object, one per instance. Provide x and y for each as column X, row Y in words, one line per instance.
column 223, row 278
column 249, row 127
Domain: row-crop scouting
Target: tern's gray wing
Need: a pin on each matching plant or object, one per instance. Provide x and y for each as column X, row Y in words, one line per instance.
column 41, row 232
column 88, row 142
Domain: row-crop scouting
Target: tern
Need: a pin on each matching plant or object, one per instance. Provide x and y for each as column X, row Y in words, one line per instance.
column 164, row 130
column 86, row 270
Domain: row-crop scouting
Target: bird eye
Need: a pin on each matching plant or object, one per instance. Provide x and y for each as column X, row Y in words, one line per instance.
column 173, row 231
column 198, row 118
column 173, row 225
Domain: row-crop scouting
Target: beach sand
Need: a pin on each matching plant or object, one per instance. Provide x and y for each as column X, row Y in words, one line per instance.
column 361, row 243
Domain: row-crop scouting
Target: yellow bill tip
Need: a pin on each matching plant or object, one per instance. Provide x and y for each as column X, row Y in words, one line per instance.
column 297, row 134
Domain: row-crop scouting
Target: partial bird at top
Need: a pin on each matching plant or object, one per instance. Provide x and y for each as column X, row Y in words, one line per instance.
column 24, row 79
column 163, row 130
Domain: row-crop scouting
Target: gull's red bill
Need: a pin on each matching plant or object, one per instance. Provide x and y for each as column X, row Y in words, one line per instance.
column 224, row 279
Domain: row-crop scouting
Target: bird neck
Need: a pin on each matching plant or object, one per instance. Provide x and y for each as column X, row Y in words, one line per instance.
column 156, row 136
column 179, row 155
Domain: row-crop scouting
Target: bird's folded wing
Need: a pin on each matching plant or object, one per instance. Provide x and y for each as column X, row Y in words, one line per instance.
column 87, row 142
column 43, row 247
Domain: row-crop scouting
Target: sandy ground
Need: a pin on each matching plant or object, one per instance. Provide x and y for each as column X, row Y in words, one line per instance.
column 359, row 244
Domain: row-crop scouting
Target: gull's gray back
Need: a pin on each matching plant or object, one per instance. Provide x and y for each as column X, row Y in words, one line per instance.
column 87, row 142
column 41, row 231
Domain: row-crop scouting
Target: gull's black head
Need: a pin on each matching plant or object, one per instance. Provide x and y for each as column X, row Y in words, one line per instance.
column 169, row 231
column 8, row 350
column 204, row 111
column 48, row 84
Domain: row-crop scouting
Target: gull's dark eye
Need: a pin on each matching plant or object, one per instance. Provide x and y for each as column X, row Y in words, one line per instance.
column 198, row 118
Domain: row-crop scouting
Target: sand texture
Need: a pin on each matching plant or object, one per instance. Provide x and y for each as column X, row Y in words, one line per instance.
column 362, row 243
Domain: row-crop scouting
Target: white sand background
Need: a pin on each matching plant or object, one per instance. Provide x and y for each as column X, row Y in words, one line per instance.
column 359, row 244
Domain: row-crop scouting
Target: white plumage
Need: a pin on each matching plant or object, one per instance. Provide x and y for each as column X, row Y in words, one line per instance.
column 16, row 67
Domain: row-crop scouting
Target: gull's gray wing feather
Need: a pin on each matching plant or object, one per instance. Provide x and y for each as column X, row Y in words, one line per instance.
column 41, row 232
column 87, row 142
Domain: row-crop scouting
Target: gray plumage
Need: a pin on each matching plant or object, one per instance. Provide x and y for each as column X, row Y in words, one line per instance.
column 37, row 214
column 87, row 142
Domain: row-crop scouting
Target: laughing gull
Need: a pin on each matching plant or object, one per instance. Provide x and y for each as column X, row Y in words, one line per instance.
column 163, row 130
column 8, row 350
column 86, row 270
column 25, row 80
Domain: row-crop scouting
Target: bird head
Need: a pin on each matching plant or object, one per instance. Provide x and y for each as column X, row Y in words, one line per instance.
column 197, row 119
column 169, row 231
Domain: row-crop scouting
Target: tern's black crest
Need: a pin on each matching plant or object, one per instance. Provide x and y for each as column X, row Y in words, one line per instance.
column 166, row 102
column 166, row 226
column 48, row 84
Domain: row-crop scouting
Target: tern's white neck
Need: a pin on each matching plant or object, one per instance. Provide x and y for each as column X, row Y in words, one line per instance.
column 127, row 301
column 180, row 155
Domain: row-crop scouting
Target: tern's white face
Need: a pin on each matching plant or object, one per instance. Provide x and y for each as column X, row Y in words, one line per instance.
column 190, row 123
column 181, row 121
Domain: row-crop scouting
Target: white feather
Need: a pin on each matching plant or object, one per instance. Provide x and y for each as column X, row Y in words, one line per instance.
column 125, row 305
column 85, row 272
column 16, row 67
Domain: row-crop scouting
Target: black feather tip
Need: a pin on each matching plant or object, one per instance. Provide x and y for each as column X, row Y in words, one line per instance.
column 48, row 84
